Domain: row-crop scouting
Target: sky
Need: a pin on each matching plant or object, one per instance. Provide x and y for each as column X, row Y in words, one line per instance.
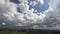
column 34, row 14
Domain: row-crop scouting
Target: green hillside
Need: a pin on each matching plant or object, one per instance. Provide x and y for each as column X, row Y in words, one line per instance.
column 28, row 31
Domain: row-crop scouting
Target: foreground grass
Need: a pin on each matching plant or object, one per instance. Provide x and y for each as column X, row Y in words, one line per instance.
column 28, row 31
column 12, row 32
column 25, row 31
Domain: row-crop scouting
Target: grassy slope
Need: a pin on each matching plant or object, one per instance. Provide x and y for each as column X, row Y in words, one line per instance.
column 6, row 31
column 25, row 31
column 28, row 31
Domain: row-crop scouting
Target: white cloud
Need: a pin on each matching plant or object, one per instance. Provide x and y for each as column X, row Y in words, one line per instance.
column 3, row 23
column 52, row 15
column 35, row 2
column 41, row 1
column 9, row 14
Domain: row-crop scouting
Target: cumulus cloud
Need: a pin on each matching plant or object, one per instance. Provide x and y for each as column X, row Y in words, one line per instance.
column 9, row 15
column 53, row 11
column 35, row 2
column 41, row 1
